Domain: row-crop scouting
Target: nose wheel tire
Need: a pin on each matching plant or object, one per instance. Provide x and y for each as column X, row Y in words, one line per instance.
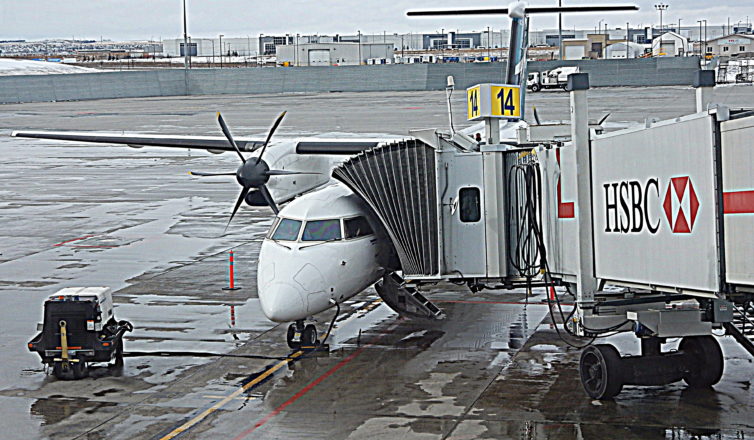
column 705, row 361
column 309, row 336
column 290, row 337
column 599, row 369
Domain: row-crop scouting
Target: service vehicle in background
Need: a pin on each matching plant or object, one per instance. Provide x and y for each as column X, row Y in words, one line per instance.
column 79, row 328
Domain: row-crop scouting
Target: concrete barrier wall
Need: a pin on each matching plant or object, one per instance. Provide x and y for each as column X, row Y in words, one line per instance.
column 400, row 77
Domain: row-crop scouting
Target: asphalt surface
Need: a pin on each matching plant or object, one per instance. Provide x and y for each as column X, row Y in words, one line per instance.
column 135, row 221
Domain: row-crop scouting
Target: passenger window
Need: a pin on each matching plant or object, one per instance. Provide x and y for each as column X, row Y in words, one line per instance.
column 469, row 203
column 322, row 230
column 287, row 230
column 357, row 227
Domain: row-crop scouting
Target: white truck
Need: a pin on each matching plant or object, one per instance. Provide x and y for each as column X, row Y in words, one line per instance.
column 550, row 79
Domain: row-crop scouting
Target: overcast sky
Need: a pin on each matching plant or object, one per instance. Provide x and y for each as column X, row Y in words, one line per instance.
column 147, row 19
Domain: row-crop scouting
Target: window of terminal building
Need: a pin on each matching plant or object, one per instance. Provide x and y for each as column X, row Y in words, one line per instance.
column 725, row 48
column 471, row 209
column 709, row 49
column 742, row 48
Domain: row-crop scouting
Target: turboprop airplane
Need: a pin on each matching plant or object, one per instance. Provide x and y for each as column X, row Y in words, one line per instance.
column 326, row 245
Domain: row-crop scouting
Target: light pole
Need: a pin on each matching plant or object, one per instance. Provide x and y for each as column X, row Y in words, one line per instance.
column 560, row 32
column 185, row 38
column 221, row 50
column 660, row 7
column 359, row 34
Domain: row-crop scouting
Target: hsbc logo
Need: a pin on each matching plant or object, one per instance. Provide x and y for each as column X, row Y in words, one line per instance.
column 632, row 206
column 681, row 205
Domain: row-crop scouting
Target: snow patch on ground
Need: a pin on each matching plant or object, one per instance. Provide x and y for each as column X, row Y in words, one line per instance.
column 10, row 66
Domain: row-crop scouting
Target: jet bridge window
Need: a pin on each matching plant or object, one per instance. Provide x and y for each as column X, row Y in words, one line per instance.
column 287, row 230
column 469, row 205
column 322, row 230
column 357, row 227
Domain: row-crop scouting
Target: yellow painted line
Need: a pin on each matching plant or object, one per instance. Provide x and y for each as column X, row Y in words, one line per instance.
column 188, row 425
column 237, row 398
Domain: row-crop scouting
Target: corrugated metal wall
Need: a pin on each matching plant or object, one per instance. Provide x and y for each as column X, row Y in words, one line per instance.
column 400, row 77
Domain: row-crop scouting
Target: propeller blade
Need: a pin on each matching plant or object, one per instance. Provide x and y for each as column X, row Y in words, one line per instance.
column 529, row 10
column 268, row 197
column 226, row 132
column 269, row 135
column 200, row 174
column 286, row 173
column 536, row 116
column 604, row 118
column 241, row 197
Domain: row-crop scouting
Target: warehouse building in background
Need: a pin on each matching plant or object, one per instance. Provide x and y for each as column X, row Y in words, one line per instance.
column 335, row 54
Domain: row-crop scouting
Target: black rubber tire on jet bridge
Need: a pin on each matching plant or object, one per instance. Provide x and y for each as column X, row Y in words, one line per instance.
column 705, row 366
column 599, row 368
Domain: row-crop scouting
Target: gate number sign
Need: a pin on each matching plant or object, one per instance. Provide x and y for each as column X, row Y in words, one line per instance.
column 493, row 101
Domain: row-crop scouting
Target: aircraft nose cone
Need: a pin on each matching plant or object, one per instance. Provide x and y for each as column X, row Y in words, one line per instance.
column 282, row 302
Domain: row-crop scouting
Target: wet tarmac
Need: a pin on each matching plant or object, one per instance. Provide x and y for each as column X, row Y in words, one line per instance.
column 133, row 220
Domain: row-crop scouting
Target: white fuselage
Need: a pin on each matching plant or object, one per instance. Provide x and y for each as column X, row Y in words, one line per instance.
column 320, row 250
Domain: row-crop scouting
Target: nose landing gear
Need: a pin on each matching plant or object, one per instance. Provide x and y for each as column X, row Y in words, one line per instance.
column 302, row 336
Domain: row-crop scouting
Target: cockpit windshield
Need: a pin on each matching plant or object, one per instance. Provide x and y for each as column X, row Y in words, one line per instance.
column 287, row 230
column 322, row 230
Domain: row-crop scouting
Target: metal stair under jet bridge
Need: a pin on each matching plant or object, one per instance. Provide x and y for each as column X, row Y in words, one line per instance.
column 742, row 326
column 398, row 183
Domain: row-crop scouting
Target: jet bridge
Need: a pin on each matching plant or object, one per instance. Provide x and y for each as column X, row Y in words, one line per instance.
column 649, row 228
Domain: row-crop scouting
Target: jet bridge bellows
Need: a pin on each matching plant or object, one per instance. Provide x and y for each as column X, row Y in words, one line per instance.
column 398, row 183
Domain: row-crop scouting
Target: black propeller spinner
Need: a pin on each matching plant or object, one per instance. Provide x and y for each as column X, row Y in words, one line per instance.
column 252, row 174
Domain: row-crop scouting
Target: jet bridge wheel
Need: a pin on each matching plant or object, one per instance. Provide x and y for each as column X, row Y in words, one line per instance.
column 599, row 368
column 704, row 361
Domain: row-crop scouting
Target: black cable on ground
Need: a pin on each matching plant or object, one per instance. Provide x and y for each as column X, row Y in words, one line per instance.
column 197, row 354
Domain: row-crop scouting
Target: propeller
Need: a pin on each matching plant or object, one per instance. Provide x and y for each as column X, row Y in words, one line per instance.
column 252, row 174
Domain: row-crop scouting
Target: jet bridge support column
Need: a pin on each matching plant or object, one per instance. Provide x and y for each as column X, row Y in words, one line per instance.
column 586, row 284
column 704, row 83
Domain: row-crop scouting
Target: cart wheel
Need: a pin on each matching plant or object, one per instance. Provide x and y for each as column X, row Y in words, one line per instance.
column 62, row 371
column 705, row 361
column 80, row 369
column 599, row 369
column 309, row 336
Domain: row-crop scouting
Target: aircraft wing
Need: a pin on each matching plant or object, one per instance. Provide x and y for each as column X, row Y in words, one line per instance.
column 214, row 144
column 211, row 143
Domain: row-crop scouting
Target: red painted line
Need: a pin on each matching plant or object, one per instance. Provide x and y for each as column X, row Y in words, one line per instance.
column 308, row 388
column 73, row 239
column 738, row 202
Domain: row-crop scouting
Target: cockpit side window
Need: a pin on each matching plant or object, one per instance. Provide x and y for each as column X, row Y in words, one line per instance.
column 287, row 230
column 273, row 227
column 322, row 230
column 357, row 227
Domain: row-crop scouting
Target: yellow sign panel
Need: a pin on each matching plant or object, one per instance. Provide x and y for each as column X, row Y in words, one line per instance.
column 472, row 102
column 506, row 101
column 493, row 101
